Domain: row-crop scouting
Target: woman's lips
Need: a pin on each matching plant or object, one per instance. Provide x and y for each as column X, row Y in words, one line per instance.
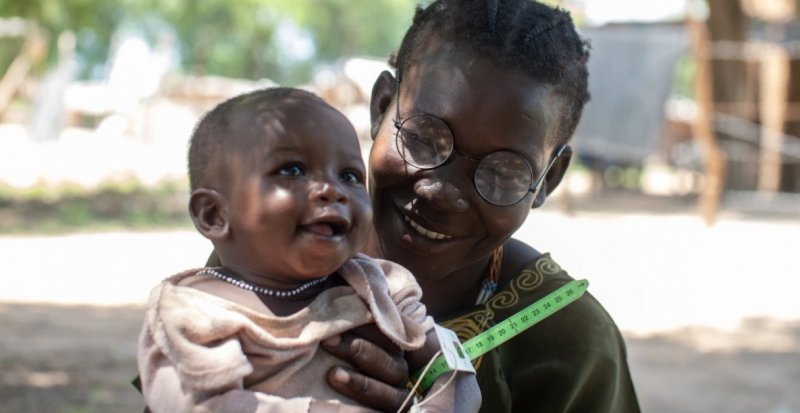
column 426, row 232
column 424, row 226
column 420, row 238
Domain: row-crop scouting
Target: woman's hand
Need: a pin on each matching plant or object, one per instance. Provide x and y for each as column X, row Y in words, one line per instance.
column 382, row 371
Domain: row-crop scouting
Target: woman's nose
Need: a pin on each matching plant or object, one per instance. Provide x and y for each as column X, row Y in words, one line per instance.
column 441, row 195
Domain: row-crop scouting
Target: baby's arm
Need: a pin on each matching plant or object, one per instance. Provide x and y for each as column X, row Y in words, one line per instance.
column 461, row 395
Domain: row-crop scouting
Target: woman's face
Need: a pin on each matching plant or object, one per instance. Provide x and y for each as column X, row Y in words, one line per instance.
column 434, row 221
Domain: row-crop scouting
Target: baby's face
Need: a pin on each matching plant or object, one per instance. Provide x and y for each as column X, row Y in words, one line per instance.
column 298, row 203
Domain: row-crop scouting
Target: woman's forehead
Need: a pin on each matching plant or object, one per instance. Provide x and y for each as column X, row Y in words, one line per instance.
column 477, row 97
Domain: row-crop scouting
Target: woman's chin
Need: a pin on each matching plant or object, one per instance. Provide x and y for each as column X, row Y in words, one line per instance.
column 424, row 266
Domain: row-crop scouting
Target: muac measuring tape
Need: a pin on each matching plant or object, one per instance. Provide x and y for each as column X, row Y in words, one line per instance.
column 508, row 328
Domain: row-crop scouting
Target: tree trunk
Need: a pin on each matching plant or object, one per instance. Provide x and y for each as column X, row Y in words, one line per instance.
column 714, row 164
column 791, row 171
column 728, row 22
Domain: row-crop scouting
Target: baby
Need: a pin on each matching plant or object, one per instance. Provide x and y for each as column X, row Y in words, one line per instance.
column 278, row 187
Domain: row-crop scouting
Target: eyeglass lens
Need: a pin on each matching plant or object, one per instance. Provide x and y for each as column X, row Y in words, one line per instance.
column 425, row 142
column 503, row 178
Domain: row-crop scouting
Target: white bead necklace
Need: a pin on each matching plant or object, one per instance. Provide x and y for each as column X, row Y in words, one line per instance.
column 262, row 290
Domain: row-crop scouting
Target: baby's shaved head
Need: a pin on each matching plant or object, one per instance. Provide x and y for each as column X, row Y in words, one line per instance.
column 224, row 128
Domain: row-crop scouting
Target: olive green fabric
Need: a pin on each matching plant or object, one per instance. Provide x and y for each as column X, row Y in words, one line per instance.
column 573, row 361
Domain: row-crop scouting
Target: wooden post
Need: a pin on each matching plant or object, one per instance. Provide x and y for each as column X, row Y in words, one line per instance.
column 703, row 128
column 774, row 90
column 33, row 51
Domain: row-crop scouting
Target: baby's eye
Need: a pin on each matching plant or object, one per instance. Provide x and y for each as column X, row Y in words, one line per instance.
column 350, row 177
column 291, row 170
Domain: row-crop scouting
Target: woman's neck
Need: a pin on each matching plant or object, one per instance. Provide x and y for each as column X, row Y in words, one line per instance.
column 455, row 291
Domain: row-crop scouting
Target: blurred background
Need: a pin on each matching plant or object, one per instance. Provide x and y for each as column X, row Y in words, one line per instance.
column 682, row 207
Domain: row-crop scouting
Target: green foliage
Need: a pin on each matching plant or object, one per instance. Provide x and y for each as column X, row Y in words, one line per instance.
column 94, row 21
column 352, row 27
column 223, row 37
column 114, row 205
column 9, row 48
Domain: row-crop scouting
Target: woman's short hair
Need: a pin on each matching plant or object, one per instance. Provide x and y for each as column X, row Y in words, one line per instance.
column 539, row 40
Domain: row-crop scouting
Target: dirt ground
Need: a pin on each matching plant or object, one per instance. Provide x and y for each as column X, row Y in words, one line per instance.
column 80, row 359
column 68, row 359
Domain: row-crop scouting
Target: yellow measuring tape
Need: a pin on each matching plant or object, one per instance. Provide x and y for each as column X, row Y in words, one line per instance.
column 509, row 328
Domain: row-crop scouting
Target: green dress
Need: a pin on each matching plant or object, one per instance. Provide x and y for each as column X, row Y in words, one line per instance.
column 573, row 361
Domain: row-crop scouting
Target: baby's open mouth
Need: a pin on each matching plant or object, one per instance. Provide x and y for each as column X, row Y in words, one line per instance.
column 327, row 230
column 327, row 226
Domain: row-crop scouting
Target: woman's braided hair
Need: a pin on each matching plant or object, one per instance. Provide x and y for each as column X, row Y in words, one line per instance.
column 539, row 40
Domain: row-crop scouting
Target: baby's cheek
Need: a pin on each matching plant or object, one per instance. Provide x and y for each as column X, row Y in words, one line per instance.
column 246, row 204
column 361, row 216
column 273, row 209
column 363, row 207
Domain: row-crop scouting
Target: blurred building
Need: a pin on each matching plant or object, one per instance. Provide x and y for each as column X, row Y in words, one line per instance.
column 636, row 132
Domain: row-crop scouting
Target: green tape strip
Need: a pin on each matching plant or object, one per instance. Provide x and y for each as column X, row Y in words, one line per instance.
column 510, row 327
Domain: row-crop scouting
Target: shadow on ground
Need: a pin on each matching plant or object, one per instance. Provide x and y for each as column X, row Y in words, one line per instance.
column 68, row 359
column 755, row 369
column 74, row 359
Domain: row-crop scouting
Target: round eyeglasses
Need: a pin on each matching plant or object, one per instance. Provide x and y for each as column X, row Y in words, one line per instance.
column 501, row 178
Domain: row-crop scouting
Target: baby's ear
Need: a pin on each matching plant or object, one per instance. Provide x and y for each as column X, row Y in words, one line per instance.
column 209, row 213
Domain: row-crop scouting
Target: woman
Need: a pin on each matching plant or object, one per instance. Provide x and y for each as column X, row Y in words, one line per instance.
column 469, row 136
column 485, row 88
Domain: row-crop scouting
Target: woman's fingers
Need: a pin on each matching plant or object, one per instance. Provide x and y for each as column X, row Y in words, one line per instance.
column 374, row 335
column 383, row 372
column 366, row 391
column 369, row 359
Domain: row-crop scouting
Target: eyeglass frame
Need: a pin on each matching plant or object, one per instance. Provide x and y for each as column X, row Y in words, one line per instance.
column 398, row 124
